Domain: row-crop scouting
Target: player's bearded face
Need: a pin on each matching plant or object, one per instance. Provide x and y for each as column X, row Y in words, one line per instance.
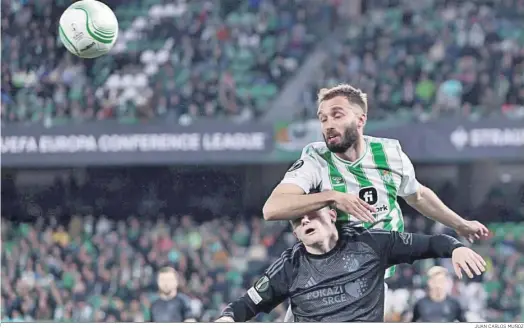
column 339, row 141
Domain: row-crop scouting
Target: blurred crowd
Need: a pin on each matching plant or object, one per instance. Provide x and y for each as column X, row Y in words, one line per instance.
column 96, row 260
column 424, row 59
column 104, row 270
column 177, row 60
column 180, row 60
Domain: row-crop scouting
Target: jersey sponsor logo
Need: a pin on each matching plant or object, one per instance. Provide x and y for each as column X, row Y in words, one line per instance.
column 382, row 208
column 262, row 284
column 298, row 164
column 254, row 295
column 369, row 195
column 407, row 238
column 328, row 295
column 340, row 293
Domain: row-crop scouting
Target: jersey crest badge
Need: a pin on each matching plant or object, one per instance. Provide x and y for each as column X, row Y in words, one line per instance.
column 298, row 164
column 386, row 175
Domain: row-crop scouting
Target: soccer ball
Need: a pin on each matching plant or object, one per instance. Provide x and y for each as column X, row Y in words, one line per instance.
column 88, row 28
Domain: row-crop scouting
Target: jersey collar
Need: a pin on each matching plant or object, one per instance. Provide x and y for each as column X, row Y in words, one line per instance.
column 355, row 163
column 328, row 254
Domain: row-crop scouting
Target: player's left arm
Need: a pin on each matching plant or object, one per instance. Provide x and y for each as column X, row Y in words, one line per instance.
column 403, row 247
column 268, row 292
column 425, row 201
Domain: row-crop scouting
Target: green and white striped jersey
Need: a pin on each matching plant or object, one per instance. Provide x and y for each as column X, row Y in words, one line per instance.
column 381, row 174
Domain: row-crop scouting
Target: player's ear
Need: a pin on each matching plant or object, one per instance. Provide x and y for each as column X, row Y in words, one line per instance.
column 362, row 119
column 333, row 215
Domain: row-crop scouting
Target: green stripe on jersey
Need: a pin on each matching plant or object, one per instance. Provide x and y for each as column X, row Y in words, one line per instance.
column 338, row 183
column 396, row 223
column 381, row 161
column 363, row 182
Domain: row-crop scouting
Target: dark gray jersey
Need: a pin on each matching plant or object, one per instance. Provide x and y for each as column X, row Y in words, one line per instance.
column 176, row 309
column 343, row 285
column 448, row 310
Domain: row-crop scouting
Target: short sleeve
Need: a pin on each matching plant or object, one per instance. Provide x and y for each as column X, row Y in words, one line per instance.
column 304, row 173
column 187, row 311
column 409, row 184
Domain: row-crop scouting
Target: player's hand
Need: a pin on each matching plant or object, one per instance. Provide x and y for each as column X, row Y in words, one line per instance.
column 473, row 230
column 465, row 259
column 225, row 319
column 354, row 206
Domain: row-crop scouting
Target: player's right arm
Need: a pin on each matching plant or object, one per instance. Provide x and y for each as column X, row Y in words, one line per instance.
column 268, row 292
column 291, row 199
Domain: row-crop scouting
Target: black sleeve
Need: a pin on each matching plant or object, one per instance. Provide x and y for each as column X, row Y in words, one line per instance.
column 416, row 313
column 268, row 292
column 403, row 247
column 460, row 313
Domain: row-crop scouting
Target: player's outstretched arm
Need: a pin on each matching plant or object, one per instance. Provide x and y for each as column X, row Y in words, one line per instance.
column 429, row 204
column 401, row 247
column 268, row 292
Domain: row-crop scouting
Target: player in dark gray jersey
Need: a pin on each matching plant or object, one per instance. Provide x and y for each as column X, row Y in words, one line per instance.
column 337, row 275
column 171, row 306
column 438, row 305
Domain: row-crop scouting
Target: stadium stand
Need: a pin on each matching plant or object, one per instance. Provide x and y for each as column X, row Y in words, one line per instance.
column 172, row 59
column 432, row 58
column 86, row 257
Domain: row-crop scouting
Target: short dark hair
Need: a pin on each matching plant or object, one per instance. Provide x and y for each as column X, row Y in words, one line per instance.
column 352, row 94
column 168, row 269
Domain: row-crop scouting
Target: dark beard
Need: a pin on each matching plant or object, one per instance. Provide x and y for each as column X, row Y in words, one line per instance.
column 348, row 139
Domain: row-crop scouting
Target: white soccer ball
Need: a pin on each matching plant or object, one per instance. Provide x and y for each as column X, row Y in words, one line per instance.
column 88, row 28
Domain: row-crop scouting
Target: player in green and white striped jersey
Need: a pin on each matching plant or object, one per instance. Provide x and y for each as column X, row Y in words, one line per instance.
column 378, row 176
column 361, row 176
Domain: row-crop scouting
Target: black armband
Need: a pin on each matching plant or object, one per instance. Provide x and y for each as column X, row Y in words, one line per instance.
column 239, row 310
column 444, row 245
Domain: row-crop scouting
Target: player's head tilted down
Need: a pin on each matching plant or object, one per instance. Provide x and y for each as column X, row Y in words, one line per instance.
column 316, row 230
column 342, row 112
